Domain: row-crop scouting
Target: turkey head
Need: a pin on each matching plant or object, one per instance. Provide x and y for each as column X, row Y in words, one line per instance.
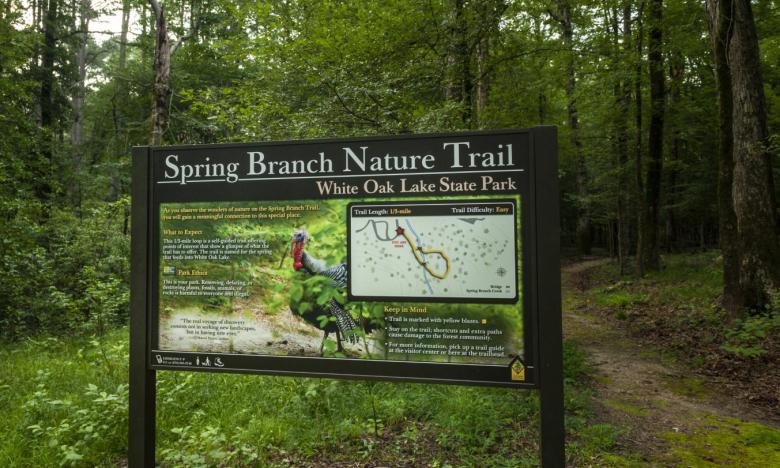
column 299, row 239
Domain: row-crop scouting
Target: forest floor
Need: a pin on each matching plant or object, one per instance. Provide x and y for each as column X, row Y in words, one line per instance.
column 670, row 412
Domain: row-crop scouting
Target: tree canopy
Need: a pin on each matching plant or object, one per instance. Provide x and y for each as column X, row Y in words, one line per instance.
column 633, row 85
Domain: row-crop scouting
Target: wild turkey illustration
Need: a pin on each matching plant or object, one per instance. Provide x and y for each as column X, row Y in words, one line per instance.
column 342, row 322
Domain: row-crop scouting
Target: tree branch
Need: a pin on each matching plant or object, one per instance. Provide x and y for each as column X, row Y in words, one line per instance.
column 155, row 8
column 350, row 110
column 193, row 32
column 175, row 46
column 489, row 69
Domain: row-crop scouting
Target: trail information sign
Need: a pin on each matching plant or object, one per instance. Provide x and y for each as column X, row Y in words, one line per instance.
column 430, row 258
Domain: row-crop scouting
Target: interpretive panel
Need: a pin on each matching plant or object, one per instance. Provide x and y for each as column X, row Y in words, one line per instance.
column 234, row 279
column 406, row 258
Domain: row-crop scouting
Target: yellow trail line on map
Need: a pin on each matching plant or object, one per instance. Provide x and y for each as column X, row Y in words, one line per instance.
column 416, row 250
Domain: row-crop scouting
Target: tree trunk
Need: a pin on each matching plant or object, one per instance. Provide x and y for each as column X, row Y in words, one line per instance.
column 453, row 83
column 638, row 148
column 162, row 67
column 483, row 84
column 539, row 37
column 468, row 85
column 677, row 74
column 79, row 89
column 123, row 35
column 46, row 96
column 77, row 102
column 118, row 121
column 47, row 63
column 671, row 214
column 702, row 236
column 145, row 21
column 624, row 103
column 460, row 84
column 649, row 250
column 753, row 187
column 583, row 234
column 720, row 20
column 490, row 16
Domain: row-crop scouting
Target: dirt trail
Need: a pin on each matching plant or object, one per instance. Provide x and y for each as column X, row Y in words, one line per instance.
column 637, row 388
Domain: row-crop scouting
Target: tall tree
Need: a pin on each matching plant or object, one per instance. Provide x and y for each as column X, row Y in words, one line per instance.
column 562, row 14
column 162, row 70
column 459, row 83
column 754, row 194
column 46, row 95
column 638, row 139
column 624, row 103
column 648, row 251
column 488, row 16
column 78, row 97
column 677, row 76
column 123, row 35
column 752, row 188
column 79, row 87
column 162, row 73
column 720, row 21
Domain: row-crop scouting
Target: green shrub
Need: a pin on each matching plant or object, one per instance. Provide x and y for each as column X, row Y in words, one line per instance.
column 83, row 433
column 196, row 448
column 68, row 276
column 746, row 338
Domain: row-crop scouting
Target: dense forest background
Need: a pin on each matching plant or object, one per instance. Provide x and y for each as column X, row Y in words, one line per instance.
column 668, row 114
column 668, row 125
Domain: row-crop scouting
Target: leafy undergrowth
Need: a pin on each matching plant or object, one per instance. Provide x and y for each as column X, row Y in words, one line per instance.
column 64, row 402
column 677, row 309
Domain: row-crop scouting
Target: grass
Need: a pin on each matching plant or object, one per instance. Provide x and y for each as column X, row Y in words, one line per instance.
column 620, row 299
column 627, row 408
column 727, row 442
column 687, row 281
column 64, row 402
column 692, row 387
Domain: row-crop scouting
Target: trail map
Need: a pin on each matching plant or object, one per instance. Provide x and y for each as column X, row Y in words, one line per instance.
column 429, row 250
